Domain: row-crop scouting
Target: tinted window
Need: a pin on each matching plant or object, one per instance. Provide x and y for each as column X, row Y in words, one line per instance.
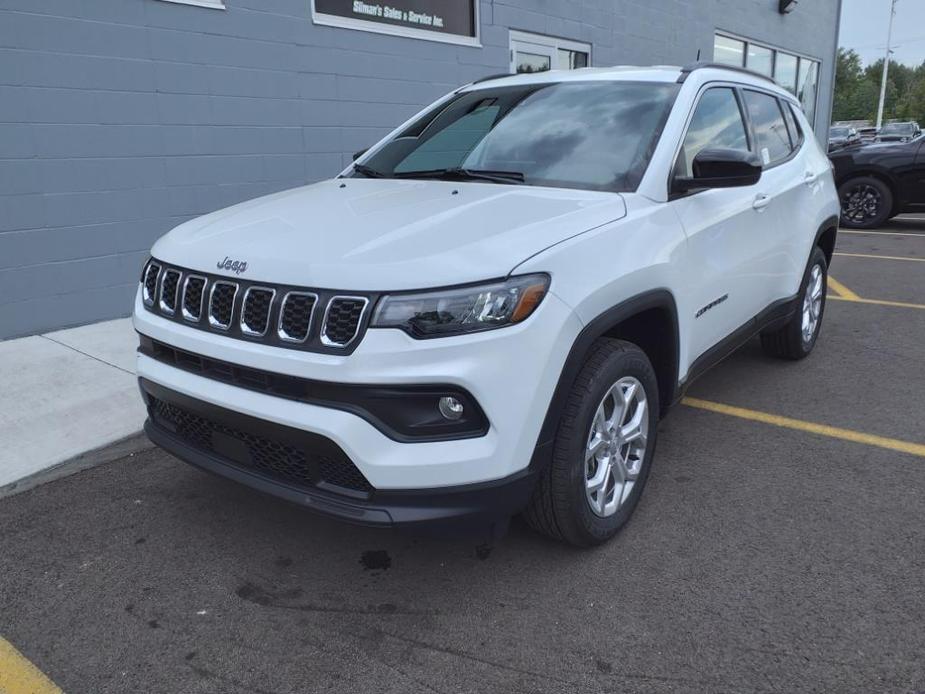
column 773, row 140
column 594, row 135
column 716, row 124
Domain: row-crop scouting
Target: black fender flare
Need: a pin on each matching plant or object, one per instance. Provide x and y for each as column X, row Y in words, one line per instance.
column 581, row 347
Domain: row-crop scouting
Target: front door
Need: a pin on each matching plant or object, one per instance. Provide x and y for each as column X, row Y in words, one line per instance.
column 728, row 229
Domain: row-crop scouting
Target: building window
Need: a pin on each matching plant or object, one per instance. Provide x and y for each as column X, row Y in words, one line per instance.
column 537, row 53
column 799, row 75
column 760, row 59
column 785, row 71
column 729, row 51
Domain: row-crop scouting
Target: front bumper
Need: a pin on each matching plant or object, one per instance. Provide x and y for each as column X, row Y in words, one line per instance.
column 229, row 449
column 511, row 373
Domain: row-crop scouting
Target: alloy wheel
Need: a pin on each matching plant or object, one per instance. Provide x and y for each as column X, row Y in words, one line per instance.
column 861, row 203
column 616, row 446
column 812, row 304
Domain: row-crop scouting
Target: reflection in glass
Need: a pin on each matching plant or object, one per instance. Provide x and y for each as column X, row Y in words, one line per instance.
column 806, row 89
column 572, row 60
column 770, row 128
column 531, row 62
column 716, row 124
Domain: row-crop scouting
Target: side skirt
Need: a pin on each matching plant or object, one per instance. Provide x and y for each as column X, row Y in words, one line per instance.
column 773, row 317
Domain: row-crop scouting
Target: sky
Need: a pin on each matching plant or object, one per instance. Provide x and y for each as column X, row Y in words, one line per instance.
column 864, row 27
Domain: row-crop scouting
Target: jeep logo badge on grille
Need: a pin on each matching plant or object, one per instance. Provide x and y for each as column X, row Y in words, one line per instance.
column 236, row 266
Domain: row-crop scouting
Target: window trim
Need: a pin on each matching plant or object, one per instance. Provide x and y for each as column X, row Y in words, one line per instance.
column 331, row 20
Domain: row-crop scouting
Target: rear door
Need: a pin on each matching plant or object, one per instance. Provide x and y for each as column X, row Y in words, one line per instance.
column 727, row 228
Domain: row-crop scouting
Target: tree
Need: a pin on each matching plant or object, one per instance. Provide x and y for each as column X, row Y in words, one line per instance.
column 857, row 89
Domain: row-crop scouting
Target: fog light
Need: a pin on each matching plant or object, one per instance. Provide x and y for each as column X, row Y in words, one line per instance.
column 450, row 408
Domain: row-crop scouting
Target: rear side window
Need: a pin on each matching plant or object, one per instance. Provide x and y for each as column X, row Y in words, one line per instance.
column 773, row 139
column 716, row 124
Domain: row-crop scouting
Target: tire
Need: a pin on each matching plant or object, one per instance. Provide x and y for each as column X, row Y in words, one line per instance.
column 562, row 507
column 866, row 202
column 791, row 341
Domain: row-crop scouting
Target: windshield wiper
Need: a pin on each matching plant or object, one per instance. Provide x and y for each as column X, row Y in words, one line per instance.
column 368, row 171
column 460, row 173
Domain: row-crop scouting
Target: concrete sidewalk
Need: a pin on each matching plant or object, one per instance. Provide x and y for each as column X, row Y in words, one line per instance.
column 63, row 394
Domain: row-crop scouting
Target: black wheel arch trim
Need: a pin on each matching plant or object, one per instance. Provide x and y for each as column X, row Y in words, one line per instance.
column 654, row 299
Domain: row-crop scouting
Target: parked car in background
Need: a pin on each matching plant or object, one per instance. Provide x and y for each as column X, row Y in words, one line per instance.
column 899, row 132
column 868, row 134
column 842, row 136
column 880, row 181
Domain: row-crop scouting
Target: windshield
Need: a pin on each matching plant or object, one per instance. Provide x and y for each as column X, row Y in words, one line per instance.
column 838, row 132
column 594, row 135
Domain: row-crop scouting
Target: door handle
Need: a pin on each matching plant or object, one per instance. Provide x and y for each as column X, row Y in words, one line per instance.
column 761, row 201
column 809, row 178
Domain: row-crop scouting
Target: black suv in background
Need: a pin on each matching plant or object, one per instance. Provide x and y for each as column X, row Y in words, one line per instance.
column 879, row 181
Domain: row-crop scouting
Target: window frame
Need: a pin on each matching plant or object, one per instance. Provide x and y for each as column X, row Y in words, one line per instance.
column 743, row 112
column 794, row 149
column 553, row 43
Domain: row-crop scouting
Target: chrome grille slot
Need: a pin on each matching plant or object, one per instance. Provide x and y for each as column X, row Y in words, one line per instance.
column 170, row 288
column 149, row 287
column 193, row 292
column 295, row 316
column 255, row 310
column 342, row 320
column 221, row 304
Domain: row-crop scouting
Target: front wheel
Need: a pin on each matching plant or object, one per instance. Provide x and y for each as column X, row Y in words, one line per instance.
column 798, row 337
column 603, row 448
column 866, row 202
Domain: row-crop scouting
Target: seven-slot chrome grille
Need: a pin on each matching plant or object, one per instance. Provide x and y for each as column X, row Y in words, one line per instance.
column 282, row 315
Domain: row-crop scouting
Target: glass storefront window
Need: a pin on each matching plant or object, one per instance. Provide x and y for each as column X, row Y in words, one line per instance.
column 785, row 71
column 760, row 59
column 572, row 60
column 807, row 86
column 729, row 51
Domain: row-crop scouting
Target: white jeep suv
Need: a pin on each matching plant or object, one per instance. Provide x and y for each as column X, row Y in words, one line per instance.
column 489, row 311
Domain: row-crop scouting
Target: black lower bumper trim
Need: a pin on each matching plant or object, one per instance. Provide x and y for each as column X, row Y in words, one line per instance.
column 476, row 503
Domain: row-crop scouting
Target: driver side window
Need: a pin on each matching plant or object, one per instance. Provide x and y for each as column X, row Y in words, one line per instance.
column 717, row 124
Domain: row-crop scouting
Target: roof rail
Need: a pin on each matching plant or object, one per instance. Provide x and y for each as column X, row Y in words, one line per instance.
column 688, row 69
column 492, row 77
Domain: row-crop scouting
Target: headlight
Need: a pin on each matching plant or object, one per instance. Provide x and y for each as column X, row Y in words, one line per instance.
column 461, row 310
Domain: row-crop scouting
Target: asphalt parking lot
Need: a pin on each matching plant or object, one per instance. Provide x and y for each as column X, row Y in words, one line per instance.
column 763, row 557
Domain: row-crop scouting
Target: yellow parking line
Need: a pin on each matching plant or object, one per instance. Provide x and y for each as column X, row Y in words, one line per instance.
column 879, row 233
column 841, row 290
column 810, row 427
column 19, row 676
column 878, row 302
column 882, row 257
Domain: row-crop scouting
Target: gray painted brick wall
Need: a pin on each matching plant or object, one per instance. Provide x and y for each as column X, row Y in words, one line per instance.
column 119, row 119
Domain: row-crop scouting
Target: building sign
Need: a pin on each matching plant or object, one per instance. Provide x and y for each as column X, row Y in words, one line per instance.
column 454, row 18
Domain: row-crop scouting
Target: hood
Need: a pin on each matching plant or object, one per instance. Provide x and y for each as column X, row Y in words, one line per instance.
column 386, row 234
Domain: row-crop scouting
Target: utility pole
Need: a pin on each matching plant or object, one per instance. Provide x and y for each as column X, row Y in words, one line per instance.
column 886, row 64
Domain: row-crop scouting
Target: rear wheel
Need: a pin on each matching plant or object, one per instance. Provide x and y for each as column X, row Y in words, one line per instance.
column 866, row 202
column 603, row 448
column 798, row 337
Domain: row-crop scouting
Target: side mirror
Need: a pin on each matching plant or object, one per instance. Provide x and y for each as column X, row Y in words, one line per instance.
column 720, row 168
column 357, row 155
